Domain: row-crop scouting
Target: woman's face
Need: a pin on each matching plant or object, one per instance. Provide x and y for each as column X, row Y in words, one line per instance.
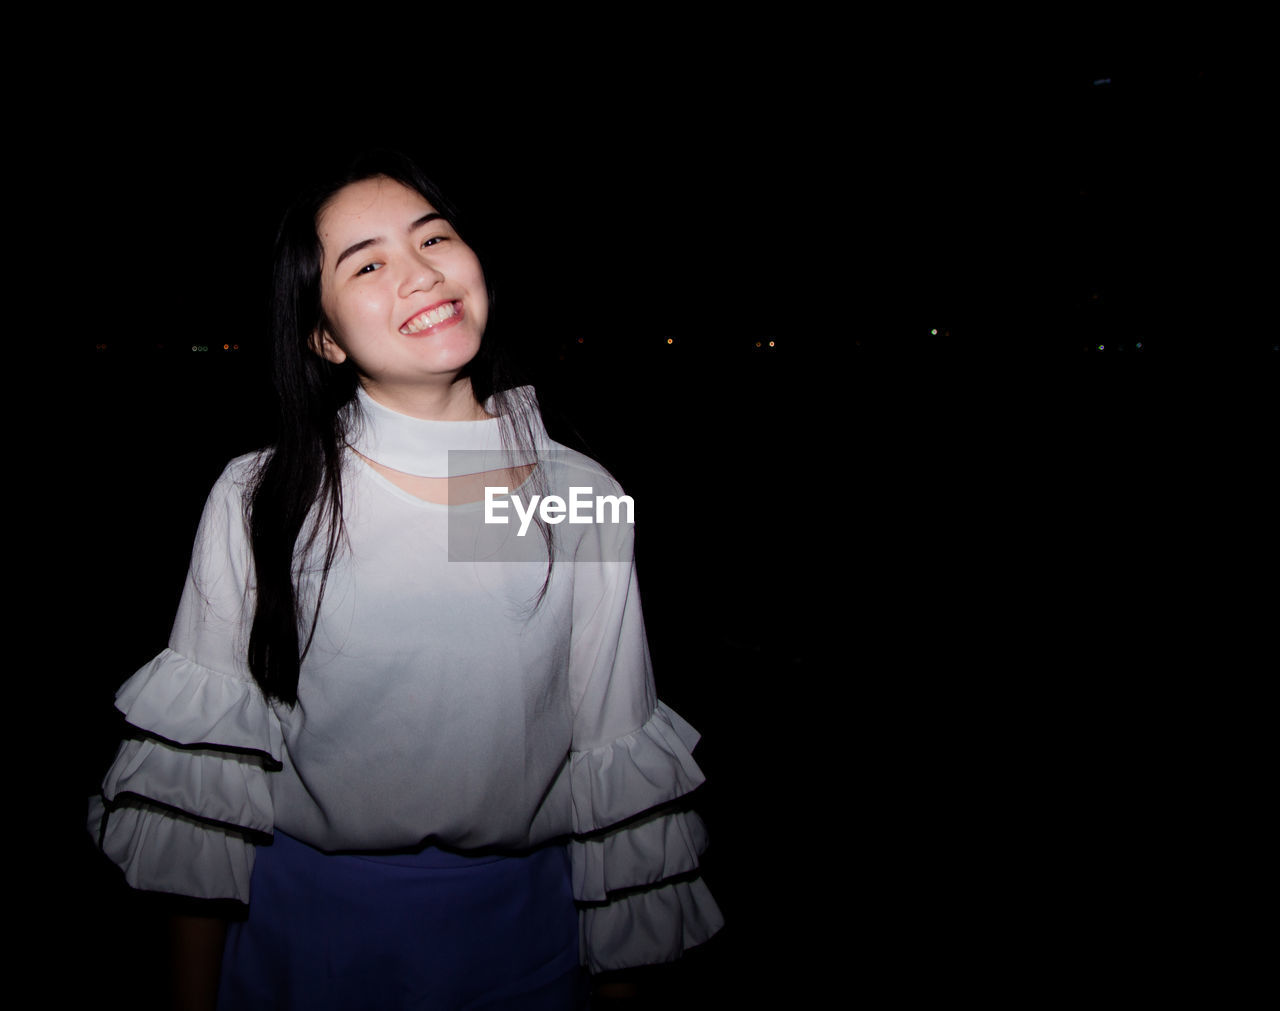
column 404, row 296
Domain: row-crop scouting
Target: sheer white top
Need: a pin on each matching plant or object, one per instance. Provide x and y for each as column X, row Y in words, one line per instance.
column 436, row 704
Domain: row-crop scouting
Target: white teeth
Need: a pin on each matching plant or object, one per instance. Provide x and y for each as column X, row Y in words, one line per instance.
column 436, row 315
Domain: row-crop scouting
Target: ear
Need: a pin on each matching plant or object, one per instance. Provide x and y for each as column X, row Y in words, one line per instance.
column 327, row 348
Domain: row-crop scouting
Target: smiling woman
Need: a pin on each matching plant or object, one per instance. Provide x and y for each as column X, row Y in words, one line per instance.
column 352, row 709
column 403, row 297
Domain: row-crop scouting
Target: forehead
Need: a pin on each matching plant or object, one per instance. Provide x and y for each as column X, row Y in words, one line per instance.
column 370, row 207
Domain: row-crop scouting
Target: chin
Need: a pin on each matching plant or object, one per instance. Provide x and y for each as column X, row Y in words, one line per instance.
column 455, row 354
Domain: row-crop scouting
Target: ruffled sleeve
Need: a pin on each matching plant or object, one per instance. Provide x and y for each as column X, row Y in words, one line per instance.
column 635, row 857
column 187, row 794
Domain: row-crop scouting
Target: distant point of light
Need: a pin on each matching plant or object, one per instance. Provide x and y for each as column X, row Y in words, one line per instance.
column 758, row 344
column 1102, row 80
column 1138, row 345
column 771, row 344
column 671, row 340
column 934, row 332
column 580, row 340
column 226, row 347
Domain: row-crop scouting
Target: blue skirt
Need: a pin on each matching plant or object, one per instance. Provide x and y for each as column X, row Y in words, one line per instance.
column 428, row 930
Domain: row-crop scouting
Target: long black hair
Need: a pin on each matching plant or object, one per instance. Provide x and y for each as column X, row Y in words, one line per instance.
column 294, row 502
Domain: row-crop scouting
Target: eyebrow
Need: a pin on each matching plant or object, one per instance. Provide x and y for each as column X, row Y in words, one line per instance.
column 353, row 249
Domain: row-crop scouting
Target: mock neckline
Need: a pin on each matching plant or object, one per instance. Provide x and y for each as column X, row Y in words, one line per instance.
column 421, row 447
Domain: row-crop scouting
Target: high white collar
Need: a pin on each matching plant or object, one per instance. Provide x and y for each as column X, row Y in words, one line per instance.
column 416, row 446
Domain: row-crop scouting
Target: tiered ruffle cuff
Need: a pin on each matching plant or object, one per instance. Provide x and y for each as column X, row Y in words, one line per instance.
column 634, row 874
column 181, row 807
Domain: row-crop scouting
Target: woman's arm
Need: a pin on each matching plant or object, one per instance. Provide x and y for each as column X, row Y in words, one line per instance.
column 195, row 949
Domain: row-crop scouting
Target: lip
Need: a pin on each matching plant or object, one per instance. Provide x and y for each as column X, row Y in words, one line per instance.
column 444, row 324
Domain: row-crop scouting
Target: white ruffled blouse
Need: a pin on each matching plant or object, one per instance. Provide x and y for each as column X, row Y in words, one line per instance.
column 436, row 703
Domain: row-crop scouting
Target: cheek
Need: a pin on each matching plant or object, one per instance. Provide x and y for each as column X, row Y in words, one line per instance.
column 479, row 297
column 352, row 316
column 331, row 311
column 481, row 310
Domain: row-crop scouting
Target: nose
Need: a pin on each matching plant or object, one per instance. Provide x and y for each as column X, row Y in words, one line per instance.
column 422, row 275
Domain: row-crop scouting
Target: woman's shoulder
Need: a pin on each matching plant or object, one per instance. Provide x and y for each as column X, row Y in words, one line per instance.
column 240, row 473
column 594, row 503
column 234, row 487
column 569, row 466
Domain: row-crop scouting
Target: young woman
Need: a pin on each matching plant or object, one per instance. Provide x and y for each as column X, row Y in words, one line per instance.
column 421, row 743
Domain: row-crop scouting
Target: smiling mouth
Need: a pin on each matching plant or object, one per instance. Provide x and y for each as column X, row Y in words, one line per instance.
column 431, row 317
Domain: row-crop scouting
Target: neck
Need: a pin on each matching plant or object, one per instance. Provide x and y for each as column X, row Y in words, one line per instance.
column 444, row 447
column 454, row 401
